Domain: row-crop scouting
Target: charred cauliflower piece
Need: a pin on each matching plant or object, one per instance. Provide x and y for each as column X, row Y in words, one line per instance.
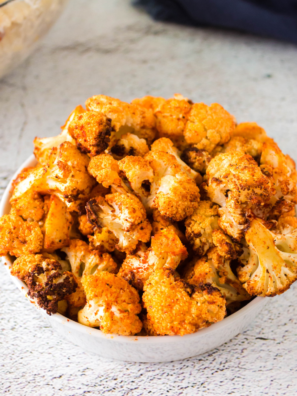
column 269, row 263
column 85, row 261
column 139, row 174
column 48, row 284
column 125, row 117
column 18, row 237
column 200, row 226
column 69, row 178
column 105, row 169
column 177, row 308
column 197, row 159
column 166, row 251
column 236, row 183
column 225, row 246
column 129, row 144
column 208, row 126
column 166, row 145
column 91, row 131
column 123, row 215
column 112, row 305
column 215, row 269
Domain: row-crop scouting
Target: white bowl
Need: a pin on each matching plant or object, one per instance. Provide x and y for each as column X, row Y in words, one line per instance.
column 141, row 349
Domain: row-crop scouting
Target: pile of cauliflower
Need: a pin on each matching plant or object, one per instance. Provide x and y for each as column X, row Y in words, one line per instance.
column 156, row 217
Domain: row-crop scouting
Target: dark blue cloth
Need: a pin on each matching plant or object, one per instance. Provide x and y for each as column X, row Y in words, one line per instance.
column 274, row 18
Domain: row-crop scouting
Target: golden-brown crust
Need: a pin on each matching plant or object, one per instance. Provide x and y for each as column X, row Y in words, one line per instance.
column 92, row 131
column 208, row 126
column 237, row 184
column 177, row 308
column 119, row 303
column 85, row 227
column 18, row 237
column 213, row 268
column 200, row 226
column 140, row 119
column 171, row 118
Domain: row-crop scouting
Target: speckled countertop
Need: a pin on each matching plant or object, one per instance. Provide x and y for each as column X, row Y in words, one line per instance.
column 108, row 47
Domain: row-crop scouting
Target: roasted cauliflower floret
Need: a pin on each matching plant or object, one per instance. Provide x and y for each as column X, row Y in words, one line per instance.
column 161, row 223
column 166, row 251
column 167, row 146
column 129, row 144
column 247, row 137
column 30, row 206
column 208, row 126
column 85, row 227
column 48, row 284
column 85, row 261
column 177, row 196
column 269, row 263
column 139, row 174
column 171, row 117
column 29, row 186
column 105, row 169
column 215, row 269
column 162, row 184
column 282, row 171
column 197, row 159
column 77, row 299
column 250, row 131
column 69, row 178
column 225, row 246
column 18, row 237
column 125, row 117
column 112, row 305
column 177, row 308
column 200, row 226
column 123, row 215
column 57, row 225
column 236, row 183
column 238, row 143
column 103, row 240
column 91, row 131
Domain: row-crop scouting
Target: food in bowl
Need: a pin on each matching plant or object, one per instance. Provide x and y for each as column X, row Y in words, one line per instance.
column 158, row 217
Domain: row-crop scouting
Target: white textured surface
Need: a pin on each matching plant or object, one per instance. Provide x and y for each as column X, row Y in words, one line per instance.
column 107, row 47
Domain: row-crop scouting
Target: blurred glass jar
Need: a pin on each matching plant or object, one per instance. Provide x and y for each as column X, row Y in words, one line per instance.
column 22, row 24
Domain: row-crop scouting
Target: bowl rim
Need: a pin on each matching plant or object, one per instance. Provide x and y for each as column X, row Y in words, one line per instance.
column 72, row 325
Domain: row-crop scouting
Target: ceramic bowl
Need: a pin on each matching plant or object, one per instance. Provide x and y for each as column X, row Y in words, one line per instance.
column 136, row 348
